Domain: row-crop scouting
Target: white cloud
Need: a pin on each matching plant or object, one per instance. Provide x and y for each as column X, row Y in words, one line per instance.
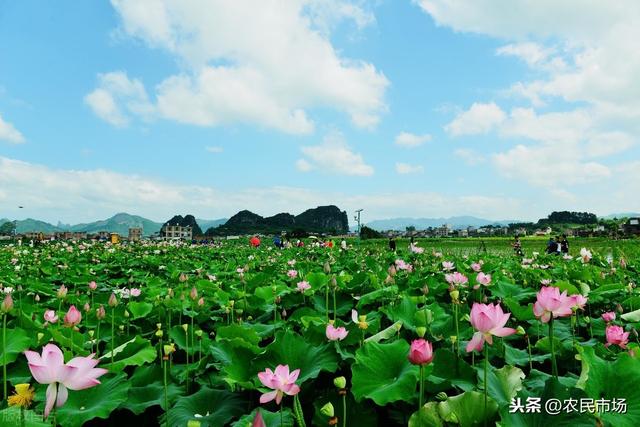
column 9, row 133
column 117, row 97
column 334, row 156
column 480, row 118
column 243, row 66
column 88, row 195
column 470, row 157
column 410, row 140
column 406, row 168
column 214, row 149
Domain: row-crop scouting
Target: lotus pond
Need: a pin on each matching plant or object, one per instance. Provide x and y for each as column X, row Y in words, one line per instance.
column 230, row 335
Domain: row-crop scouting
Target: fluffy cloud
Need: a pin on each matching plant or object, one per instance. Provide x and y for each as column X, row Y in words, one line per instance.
column 117, row 97
column 333, row 156
column 480, row 118
column 584, row 62
column 87, row 195
column 410, row 140
column 265, row 68
column 406, row 168
column 9, row 133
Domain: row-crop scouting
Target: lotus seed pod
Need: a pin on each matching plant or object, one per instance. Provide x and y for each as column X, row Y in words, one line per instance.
column 340, row 382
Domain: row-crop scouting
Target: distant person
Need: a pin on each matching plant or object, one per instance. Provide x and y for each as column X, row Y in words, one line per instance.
column 558, row 245
column 564, row 245
column 392, row 244
column 552, row 246
column 517, row 246
column 254, row 241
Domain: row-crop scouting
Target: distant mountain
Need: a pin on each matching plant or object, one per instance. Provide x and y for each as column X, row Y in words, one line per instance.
column 119, row 223
column 455, row 222
column 185, row 221
column 29, row 224
column 206, row 224
column 622, row 215
column 323, row 219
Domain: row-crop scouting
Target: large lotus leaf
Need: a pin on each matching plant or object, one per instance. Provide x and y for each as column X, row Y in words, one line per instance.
column 139, row 309
column 240, row 336
column 214, row 407
column 449, row 371
column 147, row 389
column 467, row 409
column 95, row 402
column 271, row 419
column 383, row 373
column 289, row 348
column 504, row 383
column 427, row 416
column 602, row 379
column 135, row 352
column 17, row 342
column 515, row 356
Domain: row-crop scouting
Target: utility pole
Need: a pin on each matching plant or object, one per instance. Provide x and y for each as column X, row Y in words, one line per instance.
column 357, row 218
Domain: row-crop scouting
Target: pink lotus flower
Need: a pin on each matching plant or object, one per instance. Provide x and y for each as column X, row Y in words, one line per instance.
column 7, row 303
column 482, row 279
column 336, row 334
column 281, row 382
column 49, row 368
column 292, row 274
column 93, row 285
column 135, row 292
column 545, row 282
column 303, row 286
column 193, row 294
column 421, row 352
column 609, row 316
column 447, row 265
column 50, row 316
column 258, row 421
column 401, row 265
column 456, row 278
column 201, row 302
column 291, row 262
column 86, row 307
column 616, row 336
column 488, row 320
column 585, row 255
column 416, row 249
column 476, row 267
column 100, row 312
column 73, row 317
column 579, row 301
column 550, row 302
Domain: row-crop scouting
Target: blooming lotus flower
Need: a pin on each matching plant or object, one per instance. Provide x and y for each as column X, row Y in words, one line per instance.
column 303, row 286
column 545, row 282
column 49, row 368
column 291, row 262
column 281, row 382
column 336, row 334
column 415, row 248
column 421, row 352
column 50, row 316
column 135, row 292
column 447, row 265
column 550, row 302
column 609, row 316
column 360, row 320
column 616, row 336
column 579, row 301
column 585, row 255
column 456, row 278
column 476, row 267
column 401, row 265
column 73, row 317
column 482, row 279
column 488, row 320
column 292, row 274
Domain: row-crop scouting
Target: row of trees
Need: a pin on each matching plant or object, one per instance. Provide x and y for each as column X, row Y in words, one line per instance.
column 8, row 228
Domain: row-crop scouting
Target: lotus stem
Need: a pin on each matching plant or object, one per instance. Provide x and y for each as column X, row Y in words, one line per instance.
column 113, row 331
column 421, row 387
column 554, row 367
column 486, row 384
column 4, row 357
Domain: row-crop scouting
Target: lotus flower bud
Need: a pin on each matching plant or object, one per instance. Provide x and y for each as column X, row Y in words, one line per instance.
column 7, row 304
column 185, row 327
column 113, row 301
column 326, row 267
column 93, row 285
column 193, row 294
column 86, row 307
column 183, row 277
column 421, row 330
column 73, row 317
column 100, row 312
column 62, row 291
column 328, row 410
column 340, row 382
column 37, row 298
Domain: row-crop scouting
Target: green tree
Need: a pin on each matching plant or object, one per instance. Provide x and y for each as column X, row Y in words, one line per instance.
column 7, row 229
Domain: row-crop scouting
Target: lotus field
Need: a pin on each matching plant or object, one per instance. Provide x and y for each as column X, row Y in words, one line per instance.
column 172, row 334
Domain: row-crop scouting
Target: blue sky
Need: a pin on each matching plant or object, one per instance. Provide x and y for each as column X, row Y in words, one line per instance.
column 403, row 108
